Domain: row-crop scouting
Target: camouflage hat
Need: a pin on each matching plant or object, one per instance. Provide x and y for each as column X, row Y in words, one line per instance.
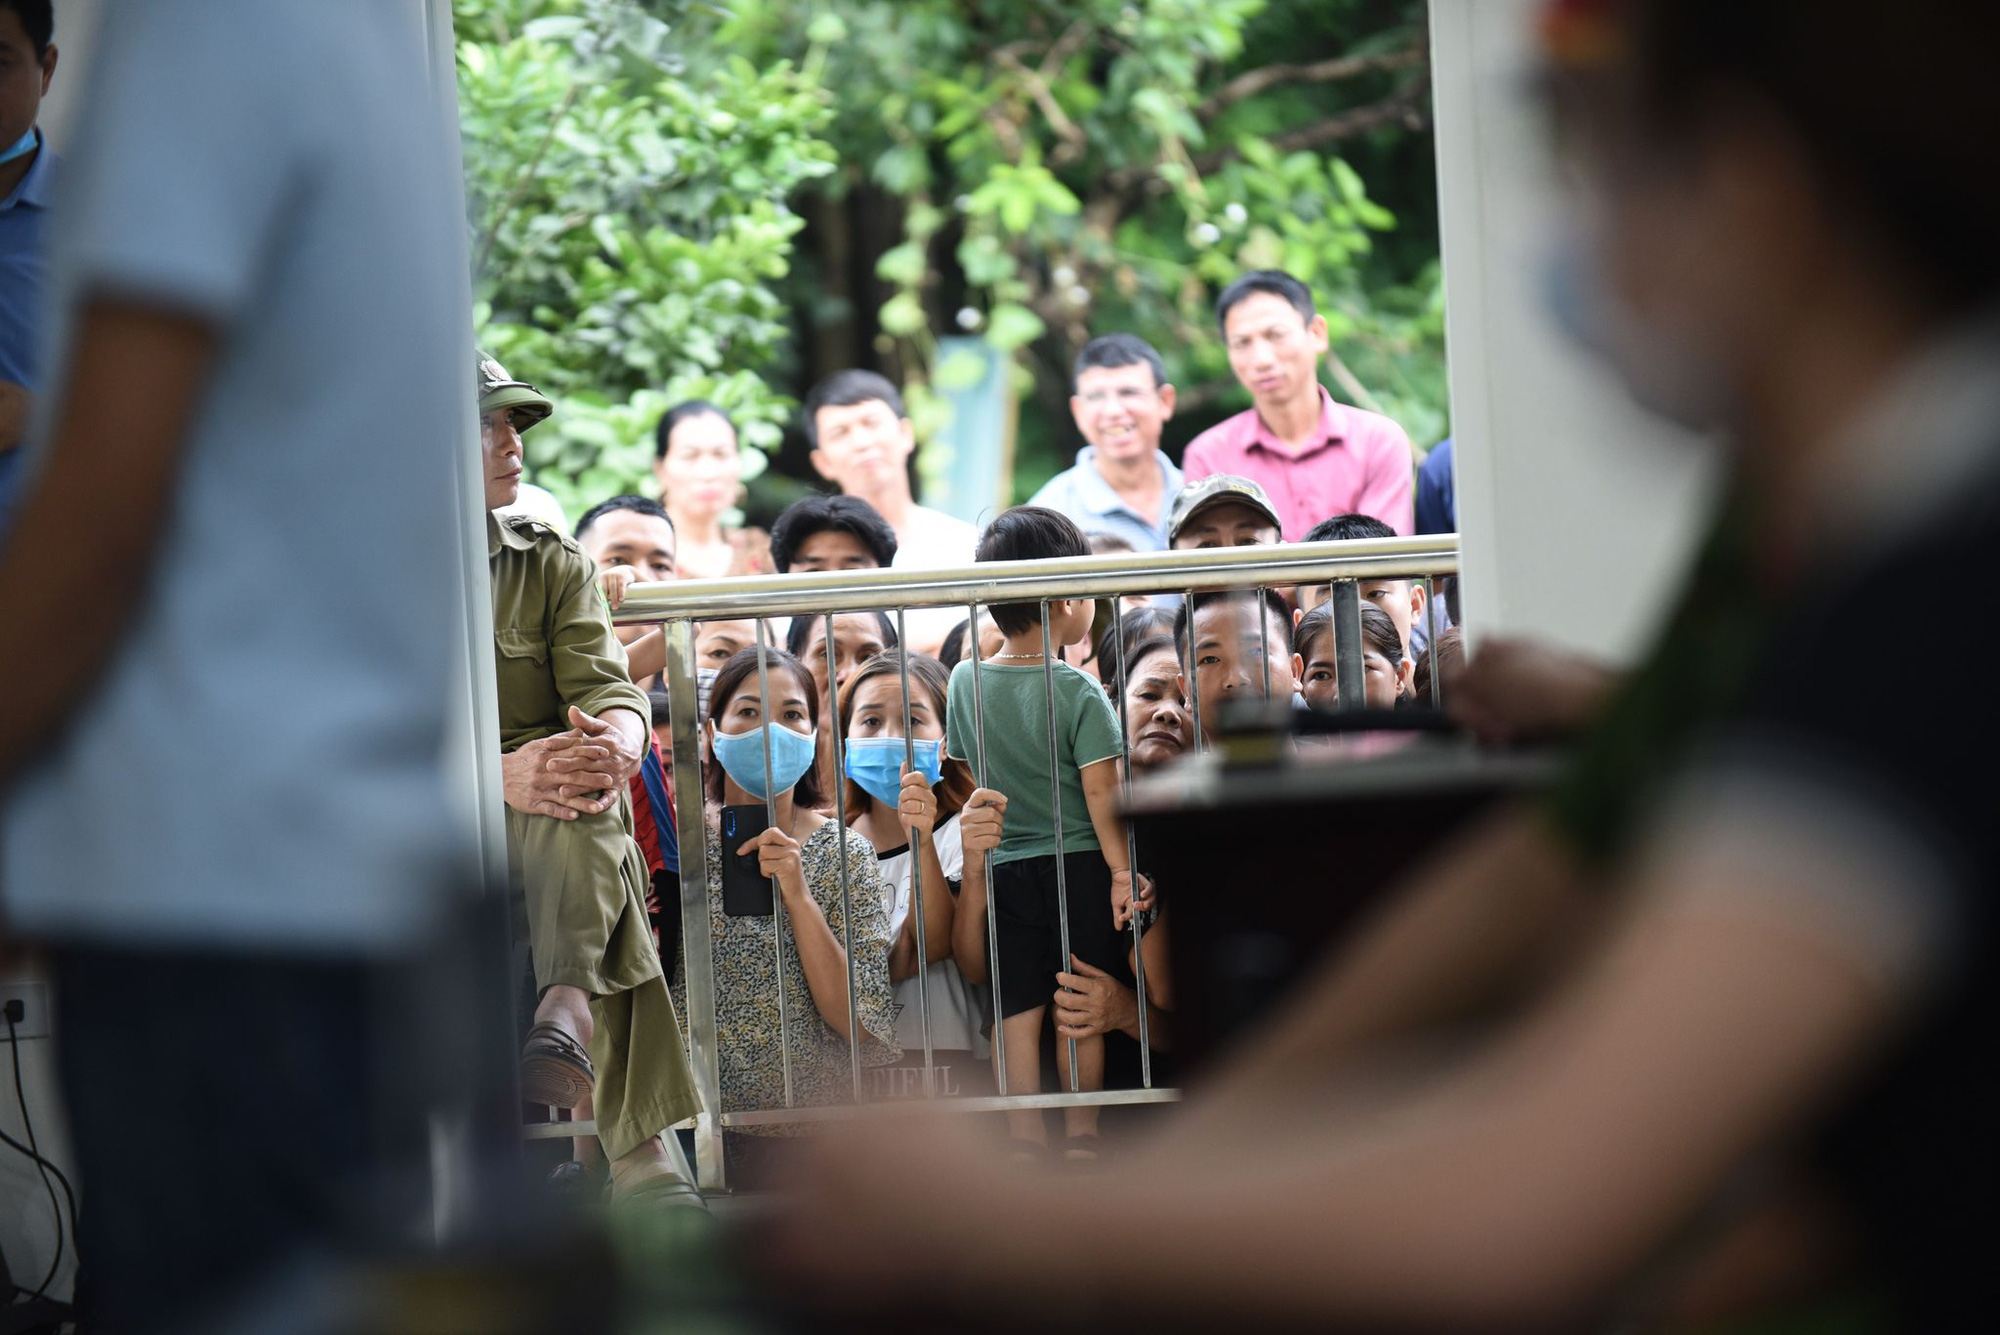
column 1215, row 490
column 497, row 390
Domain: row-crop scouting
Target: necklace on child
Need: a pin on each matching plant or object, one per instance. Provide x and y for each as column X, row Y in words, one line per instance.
column 1021, row 657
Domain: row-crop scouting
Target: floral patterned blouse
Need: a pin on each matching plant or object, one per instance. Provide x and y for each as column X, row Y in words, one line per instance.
column 746, row 995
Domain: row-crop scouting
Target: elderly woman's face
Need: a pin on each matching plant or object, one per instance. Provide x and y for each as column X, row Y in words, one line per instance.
column 1158, row 727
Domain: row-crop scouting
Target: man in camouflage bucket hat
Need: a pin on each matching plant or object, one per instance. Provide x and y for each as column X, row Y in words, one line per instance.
column 1222, row 510
column 573, row 730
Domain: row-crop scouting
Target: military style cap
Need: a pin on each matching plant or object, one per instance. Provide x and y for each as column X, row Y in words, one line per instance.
column 1214, row 490
column 497, row 390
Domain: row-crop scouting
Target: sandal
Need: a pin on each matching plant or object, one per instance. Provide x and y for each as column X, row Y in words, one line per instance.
column 555, row 1070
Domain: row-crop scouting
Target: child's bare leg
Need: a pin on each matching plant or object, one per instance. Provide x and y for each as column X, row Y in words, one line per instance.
column 1023, row 1033
column 1089, row 1079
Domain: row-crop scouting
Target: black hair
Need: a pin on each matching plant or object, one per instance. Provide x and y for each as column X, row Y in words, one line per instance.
column 1274, row 606
column 38, row 20
column 1344, row 528
column 741, row 664
column 844, row 389
column 821, row 514
column 1150, row 644
column 1114, row 350
column 798, row 638
column 1274, row 281
column 1378, row 632
column 1134, row 625
column 1906, row 169
column 953, row 647
column 1445, row 654
column 685, row 412
column 1028, row 533
column 638, row 505
column 1100, row 543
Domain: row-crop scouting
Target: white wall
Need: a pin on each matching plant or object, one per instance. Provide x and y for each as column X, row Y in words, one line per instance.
column 1576, row 510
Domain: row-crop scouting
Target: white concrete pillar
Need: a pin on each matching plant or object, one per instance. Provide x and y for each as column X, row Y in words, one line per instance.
column 1577, row 510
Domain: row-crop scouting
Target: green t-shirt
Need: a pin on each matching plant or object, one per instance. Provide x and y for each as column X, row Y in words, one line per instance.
column 1014, row 707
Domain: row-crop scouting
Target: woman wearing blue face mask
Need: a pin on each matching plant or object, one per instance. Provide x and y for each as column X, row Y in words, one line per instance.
column 954, row 824
column 803, row 851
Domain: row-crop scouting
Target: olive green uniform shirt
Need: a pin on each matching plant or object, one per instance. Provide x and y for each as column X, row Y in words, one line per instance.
column 552, row 638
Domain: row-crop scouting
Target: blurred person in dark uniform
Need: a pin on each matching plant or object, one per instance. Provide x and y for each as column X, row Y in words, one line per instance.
column 575, row 732
column 1744, row 950
column 27, row 179
column 224, row 715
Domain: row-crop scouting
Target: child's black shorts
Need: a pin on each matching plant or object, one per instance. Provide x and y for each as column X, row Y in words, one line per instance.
column 1028, row 930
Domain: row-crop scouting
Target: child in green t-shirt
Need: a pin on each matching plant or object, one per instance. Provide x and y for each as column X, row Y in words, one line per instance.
column 1069, row 806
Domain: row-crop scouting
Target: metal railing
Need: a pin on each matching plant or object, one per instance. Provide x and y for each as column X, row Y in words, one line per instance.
column 677, row 608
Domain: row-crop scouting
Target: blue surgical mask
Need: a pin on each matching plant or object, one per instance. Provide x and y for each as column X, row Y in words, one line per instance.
column 876, row 763
column 20, row 148
column 741, row 755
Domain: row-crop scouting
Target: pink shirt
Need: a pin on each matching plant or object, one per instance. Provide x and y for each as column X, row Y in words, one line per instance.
column 1360, row 464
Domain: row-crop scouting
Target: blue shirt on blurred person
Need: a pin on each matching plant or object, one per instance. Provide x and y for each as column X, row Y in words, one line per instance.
column 23, row 273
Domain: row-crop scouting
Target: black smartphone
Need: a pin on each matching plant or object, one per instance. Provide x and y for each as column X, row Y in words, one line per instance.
column 746, row 891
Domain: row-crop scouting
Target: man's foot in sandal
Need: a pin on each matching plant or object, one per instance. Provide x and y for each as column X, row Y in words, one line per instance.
column 555, row 1068
column 649, row 1176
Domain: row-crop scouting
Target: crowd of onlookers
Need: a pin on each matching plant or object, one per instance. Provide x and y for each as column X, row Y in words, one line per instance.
column 918, row 820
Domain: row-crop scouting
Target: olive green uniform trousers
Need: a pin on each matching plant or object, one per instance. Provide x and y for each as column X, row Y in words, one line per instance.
column 583, row 886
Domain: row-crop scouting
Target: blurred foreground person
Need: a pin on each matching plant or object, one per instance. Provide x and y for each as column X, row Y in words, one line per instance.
column 27, row 180
column 575, row 731
column 1750, row 936
column 224, row 717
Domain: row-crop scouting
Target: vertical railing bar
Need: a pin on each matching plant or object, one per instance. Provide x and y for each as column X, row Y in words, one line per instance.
column 846, row 894
column 777, row 892
column 1431, row 642
column 1346, row 596
column 1055, row 810
column 1263, row 641
column 1193, row 675
column 697, row 938
column 986, row 863
column 1132, row 861
column 916, row 861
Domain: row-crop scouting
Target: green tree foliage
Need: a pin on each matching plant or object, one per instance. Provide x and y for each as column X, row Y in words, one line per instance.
column 1054, row 169
column 1073, row 168
column 630, row 223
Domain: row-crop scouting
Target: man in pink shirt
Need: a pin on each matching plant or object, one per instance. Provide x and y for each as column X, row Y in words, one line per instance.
column 1315, row 458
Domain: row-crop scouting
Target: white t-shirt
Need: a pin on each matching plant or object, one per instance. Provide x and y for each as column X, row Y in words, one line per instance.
column 261, row 765
column 933, row 540
column 957, row 1006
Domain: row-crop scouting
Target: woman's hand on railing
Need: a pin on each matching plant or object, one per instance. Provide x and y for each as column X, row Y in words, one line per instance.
column 982, row 821
column 778, row 856
column 917, row 805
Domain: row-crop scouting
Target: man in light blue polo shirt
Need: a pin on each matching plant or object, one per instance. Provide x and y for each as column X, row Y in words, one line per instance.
column 27, row 171
column 1121, row 482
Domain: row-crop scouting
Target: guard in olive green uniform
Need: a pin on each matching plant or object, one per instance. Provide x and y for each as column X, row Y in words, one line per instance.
column 584, row 881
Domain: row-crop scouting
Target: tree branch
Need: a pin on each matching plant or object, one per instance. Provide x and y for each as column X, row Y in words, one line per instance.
column 1248, row 85
column 526, row 179
column 1406, row 106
